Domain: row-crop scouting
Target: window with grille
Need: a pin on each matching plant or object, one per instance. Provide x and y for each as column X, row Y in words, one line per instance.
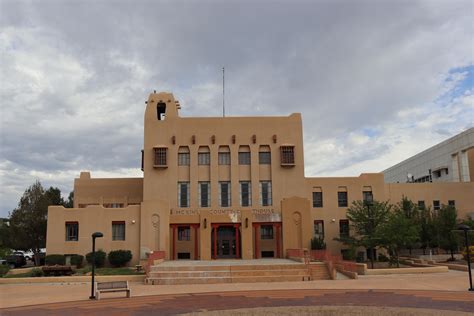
column 287, row 154
column 317, row 199
column 204, row 158
column 118, row 230
column 264, row 158
column 436, row 205
column 344, row 228
column 224, row 194
column 72, row 231
column 160, row 157
column 266, row 232
column 245, row 193
column 244, row 158
column 204, row 194
column 183, row 194
column 184, row 233
column 319, row 229
column 265, row 193
column 367, row 196
column 183, row 159
column 224, row 158
column 342, row 199
column 113, row 205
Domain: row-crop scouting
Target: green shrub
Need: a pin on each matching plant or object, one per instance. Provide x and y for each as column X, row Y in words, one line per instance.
column 119, row 258
column 36, row 272
column 52, row 260
column 99, row 258
column 77, row 260
column 471, row 253
column 318, row 243
column 4, row 270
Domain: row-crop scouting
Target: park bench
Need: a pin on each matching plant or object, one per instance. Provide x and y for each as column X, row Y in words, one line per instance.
column 57, row 270
column 116, row 286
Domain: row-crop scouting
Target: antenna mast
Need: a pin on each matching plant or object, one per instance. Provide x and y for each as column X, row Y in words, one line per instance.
column 223, row 92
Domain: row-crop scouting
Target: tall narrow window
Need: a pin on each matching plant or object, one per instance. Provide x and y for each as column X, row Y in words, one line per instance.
column 245, row 193
column 319, row 229
column 342, row 199
column 183, row 159
column 367, row 196
column 118, row 230
column 224, row 194
column 265, row 193
column 72, row 231
column 287, row 154
column 436, row 205
column 264, row 155
column 244, row 158
column 183, row 194
column 160, row 157
column 204, row 158
column 344, row 228
column 224, row 158
column 204, row 194
column 317, row 199
column 452, row 203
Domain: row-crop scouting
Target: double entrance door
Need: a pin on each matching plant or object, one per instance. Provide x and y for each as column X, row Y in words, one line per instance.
column 225, row 241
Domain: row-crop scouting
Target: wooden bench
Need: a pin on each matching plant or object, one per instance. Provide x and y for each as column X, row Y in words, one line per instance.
column 116, row 286
column 57, row 270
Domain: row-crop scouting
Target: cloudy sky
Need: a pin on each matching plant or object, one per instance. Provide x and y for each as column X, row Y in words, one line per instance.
column 376, row 81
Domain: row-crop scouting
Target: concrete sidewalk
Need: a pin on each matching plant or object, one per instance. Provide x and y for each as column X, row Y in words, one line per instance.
column 12, row 295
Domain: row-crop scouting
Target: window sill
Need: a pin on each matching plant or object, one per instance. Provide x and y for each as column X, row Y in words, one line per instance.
column 287, row 164
column 160, row 166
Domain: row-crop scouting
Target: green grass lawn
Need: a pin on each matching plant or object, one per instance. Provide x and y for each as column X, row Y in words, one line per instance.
column 86, row 270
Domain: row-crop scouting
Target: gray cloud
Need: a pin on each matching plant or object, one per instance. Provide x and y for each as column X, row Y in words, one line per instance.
column 74, row 77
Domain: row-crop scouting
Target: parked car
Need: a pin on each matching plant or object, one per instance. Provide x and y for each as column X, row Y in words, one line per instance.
column 16, row 260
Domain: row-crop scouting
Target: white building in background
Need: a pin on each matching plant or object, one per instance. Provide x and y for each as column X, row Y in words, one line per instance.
column 448, row 161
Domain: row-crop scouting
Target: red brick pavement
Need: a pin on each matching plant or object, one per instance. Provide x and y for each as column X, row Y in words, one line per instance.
column 186, row 303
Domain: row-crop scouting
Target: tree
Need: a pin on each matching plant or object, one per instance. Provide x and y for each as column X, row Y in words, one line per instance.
column 398, row 232
column 70, row 200
column 446, row 222
column 410, row 211
column 365, row 219
column 28, row 221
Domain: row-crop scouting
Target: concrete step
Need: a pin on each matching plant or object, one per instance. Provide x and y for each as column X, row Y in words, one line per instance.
column 227, row 267
column 245, row 273
column 189, row 274
column 214, row 280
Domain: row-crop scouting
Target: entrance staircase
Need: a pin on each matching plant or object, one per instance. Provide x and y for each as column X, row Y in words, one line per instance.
column 235, row 271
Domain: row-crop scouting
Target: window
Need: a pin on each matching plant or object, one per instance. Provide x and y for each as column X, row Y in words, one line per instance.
column 265, row 193
column 204, row 158
column 160, row 156
column 266, row 232
column 452, row 203
column 204, row 194
column 224, row 194
column 319, row 229
column 224, row 158
column 113, row 205
column 264, row 158
column 244, row 158
column 245, row 193
column 436, row 205
column 183, row 159
column 344, row 228
column 342, row 199
column 72, row 231
column 317, row 199
column 183, row 194
column 287, row 154
column 367, row 196
column 184, row 233
column 421, row 205
column 118, row 230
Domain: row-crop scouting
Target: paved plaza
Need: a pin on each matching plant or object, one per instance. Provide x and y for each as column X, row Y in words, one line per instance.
column 430, row 293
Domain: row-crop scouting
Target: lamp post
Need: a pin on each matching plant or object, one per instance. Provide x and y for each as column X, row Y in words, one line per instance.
column 94, row 236
column 466, row 229
column 368, row 199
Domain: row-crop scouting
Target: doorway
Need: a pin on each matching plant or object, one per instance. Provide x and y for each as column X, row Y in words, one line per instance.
column 225, row 241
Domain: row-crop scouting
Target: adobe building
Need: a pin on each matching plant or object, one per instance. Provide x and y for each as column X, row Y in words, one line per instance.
column 216, row 188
